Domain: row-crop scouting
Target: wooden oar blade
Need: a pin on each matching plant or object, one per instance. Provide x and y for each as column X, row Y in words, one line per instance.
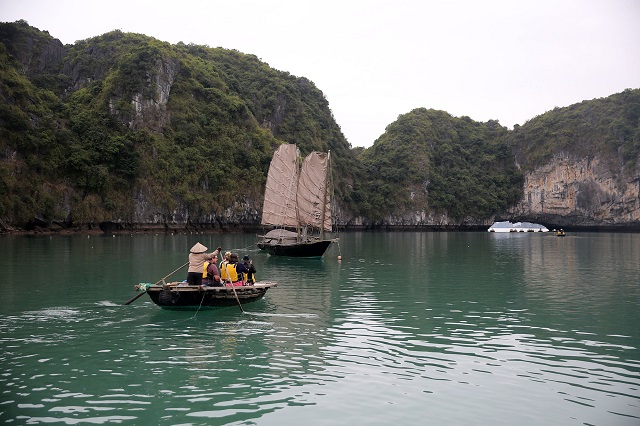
column 144, row 286
column 134, row 298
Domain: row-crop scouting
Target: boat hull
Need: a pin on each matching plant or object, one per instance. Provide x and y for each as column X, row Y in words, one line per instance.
column 309, row 249
column 177, row 296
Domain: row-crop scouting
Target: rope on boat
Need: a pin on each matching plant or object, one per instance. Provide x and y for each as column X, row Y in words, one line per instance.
column 198, row 310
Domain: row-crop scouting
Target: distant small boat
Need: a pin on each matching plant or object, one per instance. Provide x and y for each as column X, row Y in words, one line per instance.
column 517, row 227
column 179, row 296
column 560, row 233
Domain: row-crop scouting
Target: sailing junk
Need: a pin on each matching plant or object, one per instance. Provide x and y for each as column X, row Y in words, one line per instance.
column 297, row 200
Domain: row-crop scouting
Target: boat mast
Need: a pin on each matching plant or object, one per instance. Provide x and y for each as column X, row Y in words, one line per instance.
column 324, row 195
column 297, row 183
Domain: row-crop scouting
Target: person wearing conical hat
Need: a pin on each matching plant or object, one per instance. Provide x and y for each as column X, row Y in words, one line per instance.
column 197, row 256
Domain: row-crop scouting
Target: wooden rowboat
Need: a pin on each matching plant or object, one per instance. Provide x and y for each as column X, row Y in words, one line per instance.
column 180, row 296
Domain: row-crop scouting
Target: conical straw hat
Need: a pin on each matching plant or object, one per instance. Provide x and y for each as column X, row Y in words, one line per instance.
column 198, row 248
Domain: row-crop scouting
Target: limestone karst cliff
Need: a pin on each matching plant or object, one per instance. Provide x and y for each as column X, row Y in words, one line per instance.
column 581, row 165
column 579, row 193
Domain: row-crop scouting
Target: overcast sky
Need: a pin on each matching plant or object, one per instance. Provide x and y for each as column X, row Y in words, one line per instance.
column 374, row 60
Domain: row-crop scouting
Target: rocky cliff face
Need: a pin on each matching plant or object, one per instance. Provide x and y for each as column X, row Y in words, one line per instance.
column 419, row 220
column 149, row 104
column 564, row 193
column 579, row 193
column 35, row 54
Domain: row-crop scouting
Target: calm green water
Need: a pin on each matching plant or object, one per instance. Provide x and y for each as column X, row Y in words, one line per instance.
column 409, row 328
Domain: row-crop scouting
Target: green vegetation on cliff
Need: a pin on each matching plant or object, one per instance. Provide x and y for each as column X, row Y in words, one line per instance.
column 428, row 159
column 124, row 127
column 125, row 119
column 608, row 127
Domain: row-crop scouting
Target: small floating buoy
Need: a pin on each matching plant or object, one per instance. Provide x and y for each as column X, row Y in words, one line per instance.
column 339, row 257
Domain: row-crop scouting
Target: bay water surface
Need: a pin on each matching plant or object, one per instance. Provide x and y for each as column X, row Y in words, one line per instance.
column 408, row 328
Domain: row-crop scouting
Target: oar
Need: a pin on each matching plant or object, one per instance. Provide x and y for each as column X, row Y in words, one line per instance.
column 237, row 298
column 233, row 288
column 134, row 298
column 157, row 282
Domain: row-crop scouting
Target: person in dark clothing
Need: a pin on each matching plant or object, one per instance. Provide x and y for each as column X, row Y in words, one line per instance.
column 250, row 277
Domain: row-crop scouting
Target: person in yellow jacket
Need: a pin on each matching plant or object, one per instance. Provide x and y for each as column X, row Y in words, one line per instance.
column 235, row 271
column 197, row 256
column 224, row 276
column 210, row 274
column 249, row 277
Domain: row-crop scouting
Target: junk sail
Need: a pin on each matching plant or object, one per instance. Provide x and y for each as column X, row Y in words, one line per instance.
column 314, row 207
column 279, row 208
